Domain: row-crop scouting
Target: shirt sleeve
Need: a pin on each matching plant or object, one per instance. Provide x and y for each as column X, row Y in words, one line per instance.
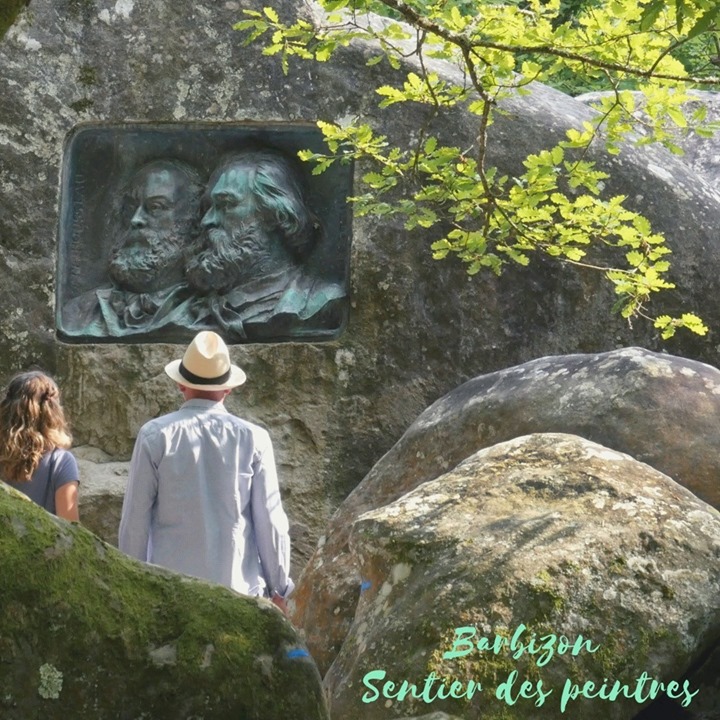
column 65, row 470
column 269, row 520
column 135, row 522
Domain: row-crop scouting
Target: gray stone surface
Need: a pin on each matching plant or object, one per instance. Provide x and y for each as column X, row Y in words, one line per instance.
column 101, row 492
column 417, row 327
column 661, row 409
column 544, row 535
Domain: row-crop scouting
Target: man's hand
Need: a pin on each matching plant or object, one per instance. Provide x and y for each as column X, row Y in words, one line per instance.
column 280, row 601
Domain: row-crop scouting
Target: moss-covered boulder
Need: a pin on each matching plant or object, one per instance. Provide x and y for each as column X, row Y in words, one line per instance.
column 543, row 578
column 90, row 634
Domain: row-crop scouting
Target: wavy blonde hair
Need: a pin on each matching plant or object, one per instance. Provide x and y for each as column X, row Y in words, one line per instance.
column 32, row 422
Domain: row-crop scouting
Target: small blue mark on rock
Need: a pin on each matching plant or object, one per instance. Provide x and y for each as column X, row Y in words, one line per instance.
column 297, row 653
column 364, row 585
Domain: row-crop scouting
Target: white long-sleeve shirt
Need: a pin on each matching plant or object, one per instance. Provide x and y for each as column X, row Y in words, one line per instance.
column 203, row 499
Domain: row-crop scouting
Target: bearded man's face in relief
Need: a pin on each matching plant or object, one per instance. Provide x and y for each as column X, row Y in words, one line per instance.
column 235, row 244
column 150, row 254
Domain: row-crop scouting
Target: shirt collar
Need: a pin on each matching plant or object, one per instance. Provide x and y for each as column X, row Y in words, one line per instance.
column 218, row 406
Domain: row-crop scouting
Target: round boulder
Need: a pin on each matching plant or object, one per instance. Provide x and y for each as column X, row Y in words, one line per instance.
column 660, row 409
column 543, row 578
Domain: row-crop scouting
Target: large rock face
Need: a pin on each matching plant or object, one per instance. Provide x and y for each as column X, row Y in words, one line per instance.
column 609, row 566
column 101, row 492
column 417, row 328
column 662, row 410
column 87, row 633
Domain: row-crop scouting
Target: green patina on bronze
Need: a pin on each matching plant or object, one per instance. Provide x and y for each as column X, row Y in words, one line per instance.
column 243, row 252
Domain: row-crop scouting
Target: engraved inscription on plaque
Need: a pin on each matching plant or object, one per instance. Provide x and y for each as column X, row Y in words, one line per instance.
column 166, row 230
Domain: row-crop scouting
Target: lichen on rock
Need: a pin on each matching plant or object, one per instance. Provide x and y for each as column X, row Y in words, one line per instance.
column 51, row 680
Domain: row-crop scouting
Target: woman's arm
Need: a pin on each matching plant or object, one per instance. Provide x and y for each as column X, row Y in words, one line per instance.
column 66, row 502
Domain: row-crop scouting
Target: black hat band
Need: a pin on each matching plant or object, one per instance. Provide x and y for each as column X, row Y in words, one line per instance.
column 197, row 380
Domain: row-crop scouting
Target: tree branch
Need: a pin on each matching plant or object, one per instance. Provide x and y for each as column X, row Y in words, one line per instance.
column 466, row 44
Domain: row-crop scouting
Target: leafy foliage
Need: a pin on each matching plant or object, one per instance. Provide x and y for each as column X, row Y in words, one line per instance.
column 556, row 206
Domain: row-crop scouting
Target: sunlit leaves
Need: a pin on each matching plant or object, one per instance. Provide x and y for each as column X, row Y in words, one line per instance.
column 651, row 13
column 428, row 89
column 668, row 326
column 556, row 206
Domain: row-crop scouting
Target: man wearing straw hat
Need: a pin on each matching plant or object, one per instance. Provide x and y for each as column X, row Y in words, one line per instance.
column 203, row 496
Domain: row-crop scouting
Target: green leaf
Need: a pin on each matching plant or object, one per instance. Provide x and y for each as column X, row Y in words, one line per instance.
column 704, row 133
column 323, row 54
column 273, row 49
column 677, row 116
column 673, row 148
column 245, row 25
column 679, row 14
column 334, row 5
column 458, row 20
column 642, row 225
column 650, row 14
column 694, row 323
column 635, row 258
column 271, row 14
column 574, row 254
column 700, row 113
column 392, row 95
column 705, row 22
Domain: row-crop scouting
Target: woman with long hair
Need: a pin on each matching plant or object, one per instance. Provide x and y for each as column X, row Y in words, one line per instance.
column 34, row 442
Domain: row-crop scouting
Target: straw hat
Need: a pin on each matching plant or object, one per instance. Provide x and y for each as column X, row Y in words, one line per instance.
column 206, row 365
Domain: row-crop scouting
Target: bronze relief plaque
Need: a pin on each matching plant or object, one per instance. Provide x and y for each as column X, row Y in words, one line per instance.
column 166, row 230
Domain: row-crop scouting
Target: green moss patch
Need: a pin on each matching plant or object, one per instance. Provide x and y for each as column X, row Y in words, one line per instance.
column 116, row 638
